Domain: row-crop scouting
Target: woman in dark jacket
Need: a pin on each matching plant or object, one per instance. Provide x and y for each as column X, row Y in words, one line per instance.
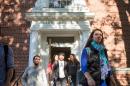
column 94, row 61
column 73, row 66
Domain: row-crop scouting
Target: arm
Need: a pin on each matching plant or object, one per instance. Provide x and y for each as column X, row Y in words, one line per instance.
column 24, row 77
column 9, row 76
column 10, row 66
column 67, row 68
column 78, row 66
column 49, row 68
column 84, row 59
column 55, row 65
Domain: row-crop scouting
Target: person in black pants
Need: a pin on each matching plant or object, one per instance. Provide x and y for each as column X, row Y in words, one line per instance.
column 73, row 66
column 60, row 71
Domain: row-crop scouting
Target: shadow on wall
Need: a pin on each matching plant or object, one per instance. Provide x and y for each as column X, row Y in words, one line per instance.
column 107, row 20
column 124, row 13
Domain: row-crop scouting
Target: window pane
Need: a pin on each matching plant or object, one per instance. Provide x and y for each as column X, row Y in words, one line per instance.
column 59, row 3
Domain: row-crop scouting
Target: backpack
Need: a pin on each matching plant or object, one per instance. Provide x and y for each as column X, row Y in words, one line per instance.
column 6, row 54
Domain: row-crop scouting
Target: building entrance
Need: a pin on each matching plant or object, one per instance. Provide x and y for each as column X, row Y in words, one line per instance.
column 60, row 44
column 57, row 50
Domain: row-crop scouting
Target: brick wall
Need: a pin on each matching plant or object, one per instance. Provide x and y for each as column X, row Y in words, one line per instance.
column 19, row 41
column 113, row 17
column 14, row 26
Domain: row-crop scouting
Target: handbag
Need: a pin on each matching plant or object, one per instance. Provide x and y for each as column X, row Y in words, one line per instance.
column 81, row 77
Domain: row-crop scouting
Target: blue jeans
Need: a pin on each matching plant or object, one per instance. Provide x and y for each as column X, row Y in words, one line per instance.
column 2, row 83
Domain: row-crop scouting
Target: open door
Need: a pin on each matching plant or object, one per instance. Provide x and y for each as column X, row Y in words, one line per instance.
column 57, row 50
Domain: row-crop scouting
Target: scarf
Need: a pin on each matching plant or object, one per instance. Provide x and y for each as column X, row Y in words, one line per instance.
column 104, row 64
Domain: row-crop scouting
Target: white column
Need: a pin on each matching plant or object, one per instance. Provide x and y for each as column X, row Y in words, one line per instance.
column 84, row 34
column 33, row 46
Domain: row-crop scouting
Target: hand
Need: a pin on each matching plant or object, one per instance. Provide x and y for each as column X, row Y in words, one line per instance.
column 7, row 84
column 91, row 82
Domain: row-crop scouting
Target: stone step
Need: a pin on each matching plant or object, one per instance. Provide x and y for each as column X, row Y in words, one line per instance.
column 122, row 76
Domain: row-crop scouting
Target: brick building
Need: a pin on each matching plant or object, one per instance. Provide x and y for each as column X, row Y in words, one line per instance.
column 21, row 23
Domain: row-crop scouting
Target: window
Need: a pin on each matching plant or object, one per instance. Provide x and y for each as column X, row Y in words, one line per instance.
column 61, row 39
column 59, row 3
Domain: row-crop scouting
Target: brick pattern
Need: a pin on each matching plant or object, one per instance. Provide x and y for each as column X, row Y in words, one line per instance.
column 16, row 29
column 123, row 79
column 112, row 16
column 19, row 42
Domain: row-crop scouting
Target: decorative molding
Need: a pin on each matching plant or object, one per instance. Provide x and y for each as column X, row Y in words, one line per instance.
column 62, row 16
column 40, row 25
column 74, row 6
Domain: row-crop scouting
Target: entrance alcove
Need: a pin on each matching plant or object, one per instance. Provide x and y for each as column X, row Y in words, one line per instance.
column 55, row 29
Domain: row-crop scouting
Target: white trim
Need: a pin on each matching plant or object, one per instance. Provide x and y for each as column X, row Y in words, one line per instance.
column 33, row 46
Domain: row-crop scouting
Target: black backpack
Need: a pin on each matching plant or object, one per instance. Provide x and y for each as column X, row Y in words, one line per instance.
column 6, row 54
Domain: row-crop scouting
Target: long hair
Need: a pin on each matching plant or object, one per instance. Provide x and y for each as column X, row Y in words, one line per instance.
column 91, row 38
column 53, row 58
column 74, row 57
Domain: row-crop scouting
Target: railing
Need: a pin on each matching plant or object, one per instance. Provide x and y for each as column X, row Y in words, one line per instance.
column 17, row 81
column 59, row 3
column 125, row 71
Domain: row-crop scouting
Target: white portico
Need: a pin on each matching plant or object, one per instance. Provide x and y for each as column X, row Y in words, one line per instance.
column 58, row 26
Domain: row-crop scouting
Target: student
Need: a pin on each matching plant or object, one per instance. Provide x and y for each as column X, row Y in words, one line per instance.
column 94, row 61
column 34, row 75
column 73, row 67
column 50, row 70
column 60, row 70
column 6, row 63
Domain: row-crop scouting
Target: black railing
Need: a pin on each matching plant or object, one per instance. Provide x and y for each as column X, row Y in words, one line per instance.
column 59, row 3
column 17, row 81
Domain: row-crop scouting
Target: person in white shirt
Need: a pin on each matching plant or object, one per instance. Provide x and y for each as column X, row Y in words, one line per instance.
column 60, row 70
column 34, row 75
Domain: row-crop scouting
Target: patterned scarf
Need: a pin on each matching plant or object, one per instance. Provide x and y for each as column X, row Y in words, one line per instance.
column 104, row 64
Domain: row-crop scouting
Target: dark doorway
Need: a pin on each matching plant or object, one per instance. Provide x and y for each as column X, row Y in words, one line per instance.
column 57, row 50
column 61, row 39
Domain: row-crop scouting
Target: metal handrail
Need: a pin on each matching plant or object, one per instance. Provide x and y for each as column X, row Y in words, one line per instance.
column 17, row 80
